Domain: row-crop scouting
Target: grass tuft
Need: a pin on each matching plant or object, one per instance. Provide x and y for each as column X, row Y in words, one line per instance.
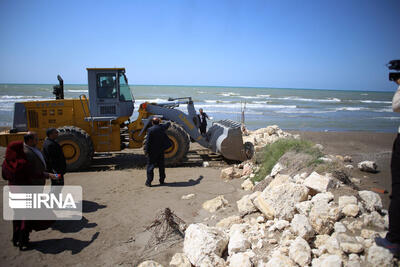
column 273, row 152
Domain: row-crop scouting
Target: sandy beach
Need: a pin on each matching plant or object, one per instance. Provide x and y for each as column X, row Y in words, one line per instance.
column 118, row 207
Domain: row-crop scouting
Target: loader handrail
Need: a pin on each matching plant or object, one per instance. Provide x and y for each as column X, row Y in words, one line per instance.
column 83, row 107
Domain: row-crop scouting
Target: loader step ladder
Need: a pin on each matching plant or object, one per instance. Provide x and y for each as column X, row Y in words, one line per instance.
column 104, row 132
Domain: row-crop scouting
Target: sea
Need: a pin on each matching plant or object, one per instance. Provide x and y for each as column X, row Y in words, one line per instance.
column 290, row 109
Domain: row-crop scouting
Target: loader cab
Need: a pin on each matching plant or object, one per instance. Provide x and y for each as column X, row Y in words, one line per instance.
column 109, row 93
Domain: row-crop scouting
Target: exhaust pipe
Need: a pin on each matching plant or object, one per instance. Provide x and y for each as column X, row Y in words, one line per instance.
column 225, row 137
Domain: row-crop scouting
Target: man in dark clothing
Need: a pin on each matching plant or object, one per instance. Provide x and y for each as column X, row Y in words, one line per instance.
column 203, row 121
column 392, row 239
column 54, row 156
column 156, row 143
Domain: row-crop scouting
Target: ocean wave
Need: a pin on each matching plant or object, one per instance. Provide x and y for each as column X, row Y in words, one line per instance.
column 264, row 95
column 77, row 91
column 228, row 94
column 375, row 101
column 249, row 106
column 249, row 97
column 19, row 96
column 305, row 111
column 295, row 98
column 156, row 100
column 350, row 108
column 387, row 118
column 217, row 101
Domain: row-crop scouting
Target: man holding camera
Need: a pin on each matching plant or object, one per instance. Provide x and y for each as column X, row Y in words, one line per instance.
column 392, row 239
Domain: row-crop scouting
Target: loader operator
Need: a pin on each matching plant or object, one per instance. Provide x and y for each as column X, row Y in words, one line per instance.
column 203, row 121
column 156, row 142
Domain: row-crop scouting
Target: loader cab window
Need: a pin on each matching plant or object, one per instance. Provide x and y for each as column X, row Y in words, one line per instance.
column 124, row 90
column 106, row 85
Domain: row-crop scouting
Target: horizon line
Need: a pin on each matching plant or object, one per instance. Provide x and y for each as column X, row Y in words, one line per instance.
column 220, row 86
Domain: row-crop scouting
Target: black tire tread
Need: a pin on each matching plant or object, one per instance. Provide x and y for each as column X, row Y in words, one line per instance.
column 87, row 148
column 184, row 143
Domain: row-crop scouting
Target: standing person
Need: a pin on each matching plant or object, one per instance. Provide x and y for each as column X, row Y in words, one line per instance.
column 19, row 170
column 203, row 121
column 156, row 142
column 54, row 156
column 392, row 239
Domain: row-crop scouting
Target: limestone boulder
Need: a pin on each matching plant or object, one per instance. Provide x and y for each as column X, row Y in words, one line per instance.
column 301, row 227
column 351, row 210
column 230, row 173
column 238, row 243
column 278, row 180
column 204, row 245
column 300, row 252
column 349, row 244
column 318, row 183
column 247, row 169
column 372, row 201
column 379, row 256
column 367, row 166
column 327, row 260
column 150, row 263
column 227, row 222
column 215, row 204
column 280, row 201
column 240, row 260
column 247, row 185
column 277, row 169
column 345, row 200
column 180, row 260
column 280, row 260
column 323, row 216
column 304, row 207
column 245, row 204
column 188, row 196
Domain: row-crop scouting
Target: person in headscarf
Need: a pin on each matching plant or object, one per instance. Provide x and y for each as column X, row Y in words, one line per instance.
column 17, row 170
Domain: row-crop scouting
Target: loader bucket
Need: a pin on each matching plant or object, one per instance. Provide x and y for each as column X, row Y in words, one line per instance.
column 225, row 137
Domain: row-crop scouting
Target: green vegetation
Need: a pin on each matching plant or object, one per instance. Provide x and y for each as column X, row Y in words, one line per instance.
column 273, row 152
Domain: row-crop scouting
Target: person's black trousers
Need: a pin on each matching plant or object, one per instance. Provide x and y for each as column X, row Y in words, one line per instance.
column 203, row 129
column 152, row 162
column 394, row 208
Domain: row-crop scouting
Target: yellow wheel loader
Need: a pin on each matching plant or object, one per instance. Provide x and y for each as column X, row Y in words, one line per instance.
column 101, row 123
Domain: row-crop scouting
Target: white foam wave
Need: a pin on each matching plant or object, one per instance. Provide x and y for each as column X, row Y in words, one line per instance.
column 295, row 98
column 263, row 95
column 19, row 96
column 156, row 100
column 249, row 97
column 387, row 118
column 228, row 94
column 77, row 91
column 375, row 101
column 249, row 106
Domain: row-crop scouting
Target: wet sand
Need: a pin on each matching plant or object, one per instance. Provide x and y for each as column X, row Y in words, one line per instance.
column 118, row 207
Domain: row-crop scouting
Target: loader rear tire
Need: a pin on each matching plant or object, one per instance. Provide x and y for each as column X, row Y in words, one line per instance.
column 77, row 147
column 180, row 145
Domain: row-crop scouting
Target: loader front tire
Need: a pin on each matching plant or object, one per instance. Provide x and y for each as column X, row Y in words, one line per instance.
column 77, row 147
column 180, row 145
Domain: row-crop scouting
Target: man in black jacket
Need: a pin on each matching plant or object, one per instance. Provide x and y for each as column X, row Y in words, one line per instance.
column 54, row 156
column 203, row 121
column 156, row 142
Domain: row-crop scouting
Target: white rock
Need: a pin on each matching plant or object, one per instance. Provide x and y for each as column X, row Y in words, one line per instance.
column 278, row 180
column 280, row 201
column 150, row 264
column 230, row 173
column 276, row 169
column 238, row 243
column 245, row 204
column 180, row 260
column 326, row 159
column 373, row 219
column 247, row 169
column 328, row 261
column 322, row 197
column 206, row 164
column 379, row 256
column 367, row 166
column 240, row 260
column 351, row 210
column 320, row 240
column 188, row 196
column 323, row 217
column 203, row 244
column 247, row 185
column 355, row 180
column 227, row 222
column 260, row 219
column 279, row 225
column 332, row 245
column 349, row 244
column 347, row 159
column 300, row 252
column 301, row 227
column 215, row 204
column 368, row 234
column 279, row 260
column 318, row 183
column 304, row 207
column 345, row 200
column 319, row 146
column 339, row 227
column 348, row 166
column 372, row 200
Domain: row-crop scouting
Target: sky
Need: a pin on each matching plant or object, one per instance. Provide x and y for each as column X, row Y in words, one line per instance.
column 313, row 44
